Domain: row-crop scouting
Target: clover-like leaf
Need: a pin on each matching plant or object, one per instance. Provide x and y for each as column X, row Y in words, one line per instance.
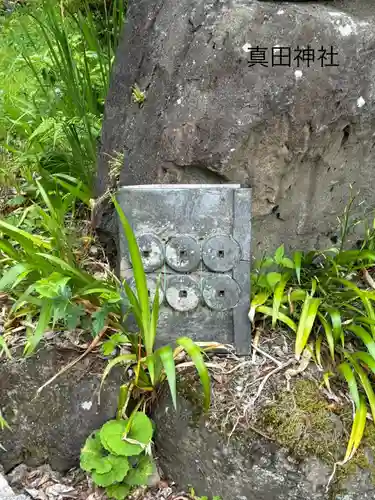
column 118, row 491
column 139, row 475
column 93, row 457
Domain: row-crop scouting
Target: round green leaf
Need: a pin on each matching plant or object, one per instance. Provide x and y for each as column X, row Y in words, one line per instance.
column 118, row 491
column 120, row 467
column 111, row 437
column 141, row 428
column 104, row 479
column 92, row 456
column 139, row 435
column 138, row 476
column 273, row 278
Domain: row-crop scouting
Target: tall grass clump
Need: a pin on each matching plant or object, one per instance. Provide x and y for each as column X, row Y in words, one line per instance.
column 64, row 56
column 326, row 298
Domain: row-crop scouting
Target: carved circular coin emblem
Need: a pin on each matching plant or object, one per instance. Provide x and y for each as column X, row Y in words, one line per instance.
column 182, row 254
column 151, row 286
column 151, row 249
column 221, row 292
column 221, row 253
column 182, row 293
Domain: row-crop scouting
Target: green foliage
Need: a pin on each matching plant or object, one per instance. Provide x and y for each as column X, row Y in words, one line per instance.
column 55, row 65
column 43, row 273
column 152, row 366
column 324, row 297
column 195, row 497
column 3, row 422
column 138, row 437
column 114, row 341
column 116, row 456
column 138, row 96
column 57, row 58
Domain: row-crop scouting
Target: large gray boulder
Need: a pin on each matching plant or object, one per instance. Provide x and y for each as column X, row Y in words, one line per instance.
column 52, row 427
column 299, row 135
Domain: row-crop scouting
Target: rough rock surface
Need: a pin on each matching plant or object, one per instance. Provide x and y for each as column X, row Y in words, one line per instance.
column 298, row 135
column 52, row 427
column 6, row 492
column 243, row 470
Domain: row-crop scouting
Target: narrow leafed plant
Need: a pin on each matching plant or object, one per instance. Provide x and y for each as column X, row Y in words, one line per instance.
column 152, row 366
column 326, row 299
column 66, row 57
column 44, row 278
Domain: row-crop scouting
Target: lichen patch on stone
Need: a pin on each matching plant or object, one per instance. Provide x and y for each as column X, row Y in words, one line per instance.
column 86, row 405
column 360, row 102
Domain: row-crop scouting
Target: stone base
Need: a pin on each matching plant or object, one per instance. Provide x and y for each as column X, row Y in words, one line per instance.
column 254, row 469
column 52, row 427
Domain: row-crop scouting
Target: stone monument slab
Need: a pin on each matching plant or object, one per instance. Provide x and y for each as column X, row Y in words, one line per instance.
column 195, row 241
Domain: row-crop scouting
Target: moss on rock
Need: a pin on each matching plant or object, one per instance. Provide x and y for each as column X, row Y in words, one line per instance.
column 303, row 421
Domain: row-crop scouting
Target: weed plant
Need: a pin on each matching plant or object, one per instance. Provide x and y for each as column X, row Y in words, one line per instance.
column 326, row 298
column 55, row 69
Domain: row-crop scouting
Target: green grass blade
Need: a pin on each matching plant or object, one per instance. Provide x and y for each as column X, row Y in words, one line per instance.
column 365, row 297
column 64, row 266
column 297, row 295
column 366, row 384
column 329, row 335
column 258, row 300
column 25, row 239
column 364, row 335
column 364, row 319
column 46, row 199
column 346, row 371
column 166, row 356
column 370, row 311
column 4, row 347
column 154, row 317
column 3, row 423
column 76, row 190
column 297, row 259
column 358, row 428
column 134, row 304
column 10, row 251
column 11, row 275
column 43, row 322
column 336, row 323
column 277, row 298
column 139, row 277
column 281, row 317
column 196, row 356
column 306, row 323
column 127, row 359
column 366, row 358
column 123, row 399
column 353, row 256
